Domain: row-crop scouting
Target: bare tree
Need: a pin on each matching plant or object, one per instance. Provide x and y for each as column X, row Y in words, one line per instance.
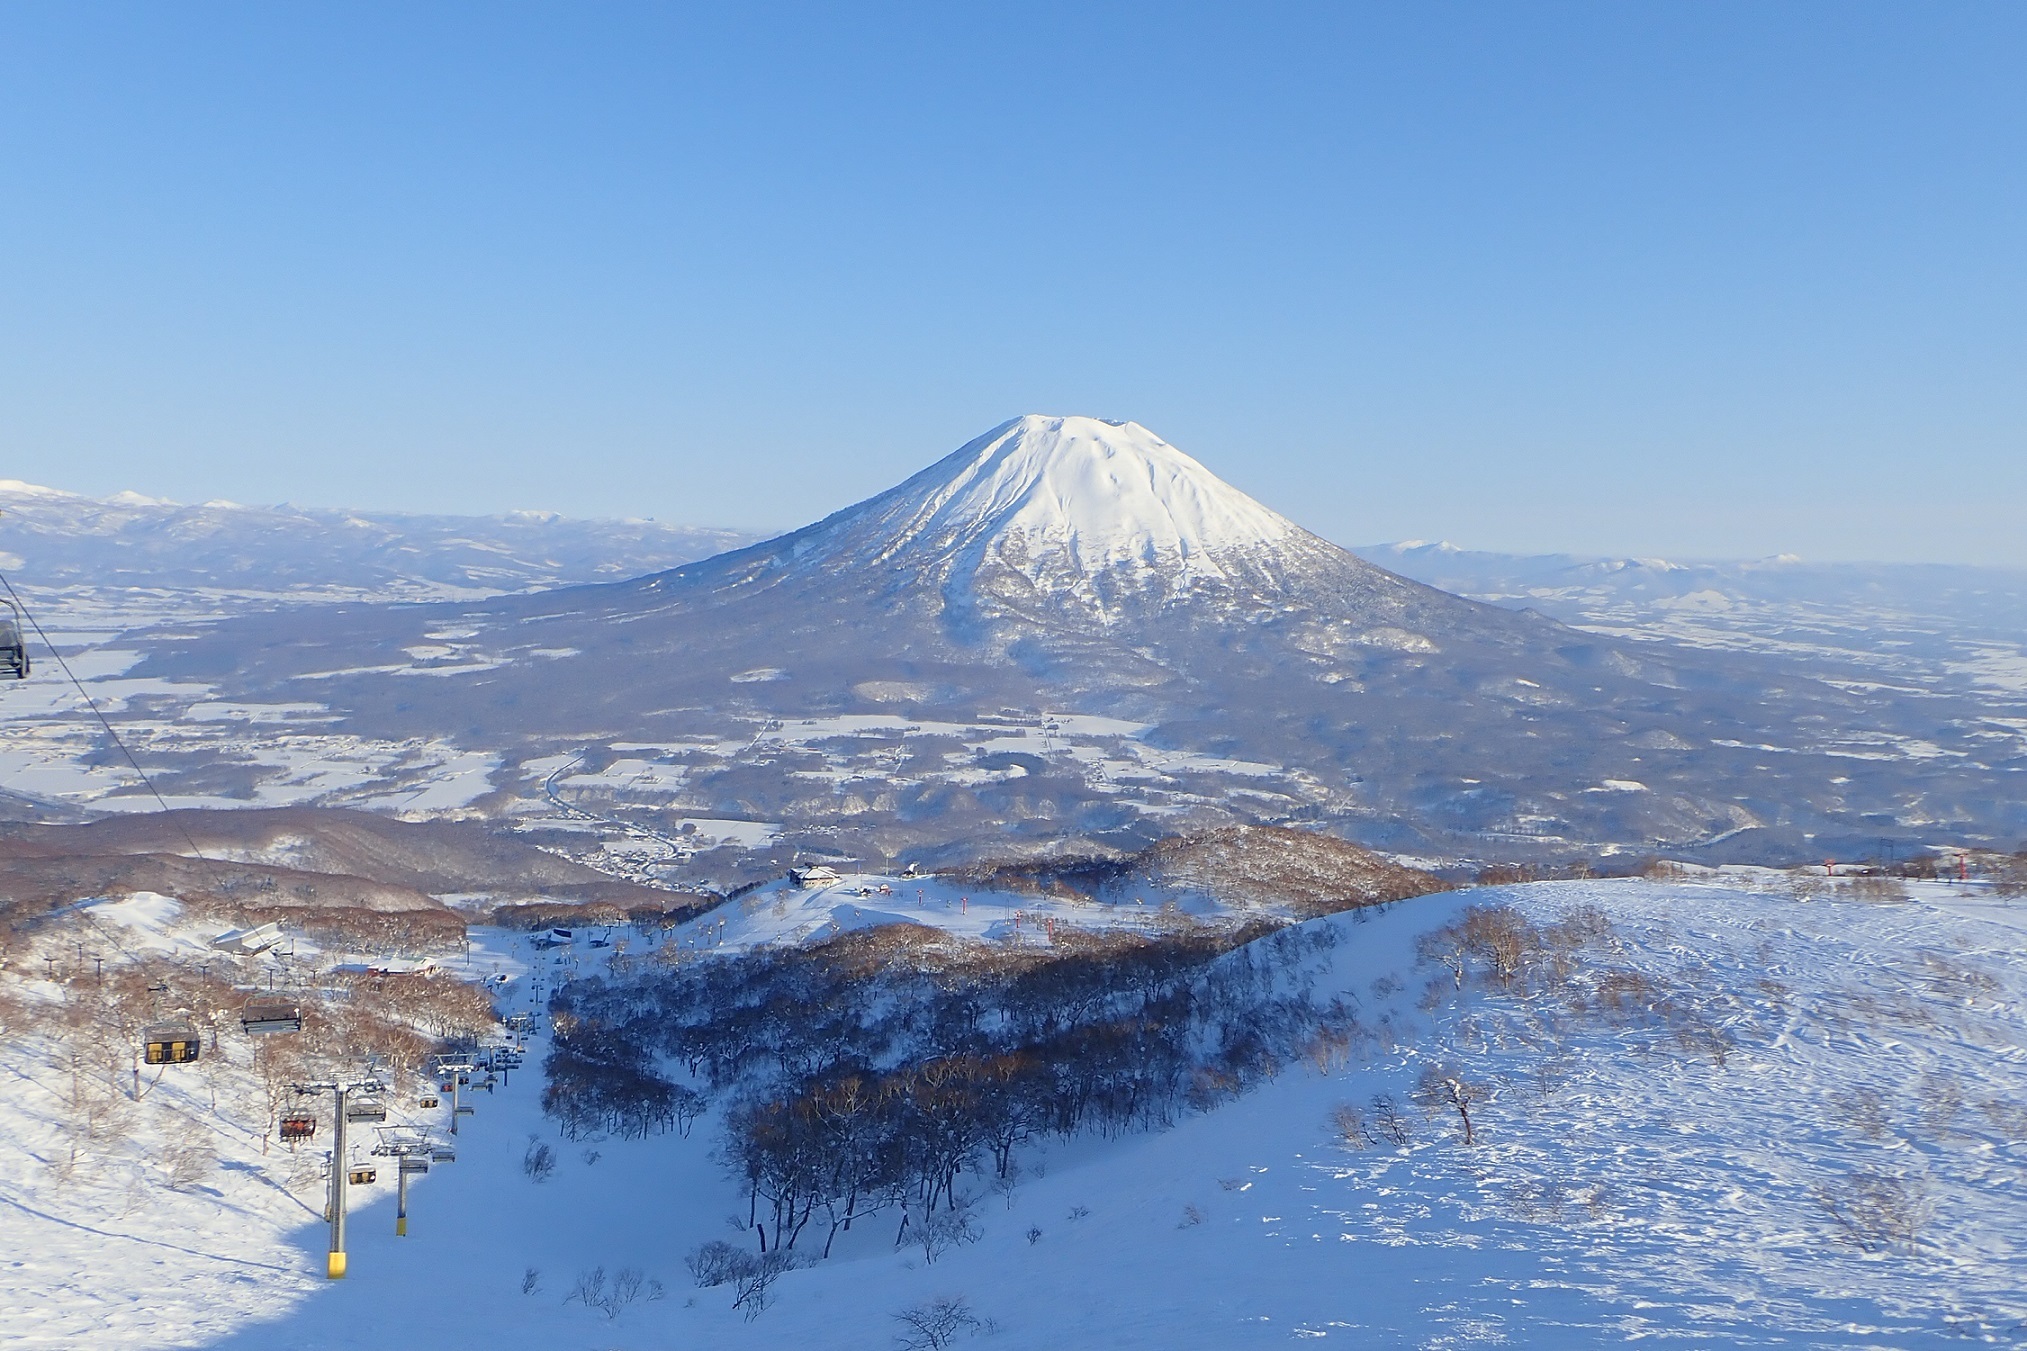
column 1387, row 1124
column 1445, row 1087
column 188, row 1163
column 942, row 1230
column 1877, row 1211
column 1349, row 1122
column 937, row 1323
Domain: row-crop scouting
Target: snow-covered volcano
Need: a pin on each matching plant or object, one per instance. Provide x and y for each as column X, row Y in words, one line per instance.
column 1070, row 573
column 1096, row 514
column 1062, row 498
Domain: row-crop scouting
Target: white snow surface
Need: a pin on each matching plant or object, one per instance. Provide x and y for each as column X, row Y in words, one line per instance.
column 1623, row 1189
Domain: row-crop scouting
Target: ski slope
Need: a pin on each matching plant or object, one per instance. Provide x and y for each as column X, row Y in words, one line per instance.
column 1647, row 1176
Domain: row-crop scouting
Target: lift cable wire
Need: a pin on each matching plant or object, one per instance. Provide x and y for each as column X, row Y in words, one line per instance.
column 161, row 803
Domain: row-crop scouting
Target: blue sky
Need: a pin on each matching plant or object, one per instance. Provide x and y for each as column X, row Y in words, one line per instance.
column 1700, row 280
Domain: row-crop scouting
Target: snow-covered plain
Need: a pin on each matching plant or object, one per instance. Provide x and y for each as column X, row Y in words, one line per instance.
column 1658, row 1173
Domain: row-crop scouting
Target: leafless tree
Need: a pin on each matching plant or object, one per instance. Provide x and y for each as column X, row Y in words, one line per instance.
column 1386, row 1124
column 937, row 1323
column 1349, row 1122
column 1445, row 1087
column 943, row 1230
column 188, row 1163
column 1877, row 1211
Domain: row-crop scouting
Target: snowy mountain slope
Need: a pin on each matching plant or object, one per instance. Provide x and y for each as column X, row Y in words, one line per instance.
column 54, row 539
column 1061, row 568
column 1086, row 510
column 1669, row 1165
column 1052, row 523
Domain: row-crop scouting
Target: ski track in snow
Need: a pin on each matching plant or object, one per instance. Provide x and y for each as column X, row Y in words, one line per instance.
column 1634, row 1190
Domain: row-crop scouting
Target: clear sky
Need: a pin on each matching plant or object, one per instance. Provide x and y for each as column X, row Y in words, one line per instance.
column 1690, row 279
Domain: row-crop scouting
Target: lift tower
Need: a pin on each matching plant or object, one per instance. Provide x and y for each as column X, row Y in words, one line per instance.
column 340, row 1090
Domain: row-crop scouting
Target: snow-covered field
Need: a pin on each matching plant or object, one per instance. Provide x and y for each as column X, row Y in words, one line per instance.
column 1662, row 1164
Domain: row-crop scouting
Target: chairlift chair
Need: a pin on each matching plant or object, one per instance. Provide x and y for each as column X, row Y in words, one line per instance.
column 414, row 1163
column 261, row 1017
column 170, row 1044
column 296, row 1129
column 360, row 1177
column 13, row 644
column 443, row 1154
column 429, row 1102
column 365, row 1109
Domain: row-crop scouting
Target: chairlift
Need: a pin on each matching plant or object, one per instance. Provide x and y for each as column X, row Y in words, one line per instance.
column 431, row 1101
column 13, row 643
column 443, row 1154
column 414, row 1163
column 264, row 1016
column 360, row 1177
column 296, row 1129
column 365, row 1109
column 170, row 1044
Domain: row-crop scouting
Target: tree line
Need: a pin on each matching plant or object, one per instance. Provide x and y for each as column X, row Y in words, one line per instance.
column 871, row 1073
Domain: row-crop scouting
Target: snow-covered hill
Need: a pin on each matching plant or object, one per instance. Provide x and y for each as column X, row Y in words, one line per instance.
column 1726, row 1116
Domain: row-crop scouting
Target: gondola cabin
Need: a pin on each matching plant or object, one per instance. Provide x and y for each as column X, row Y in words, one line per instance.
column 360, row 1177
column 429, row 1102
column 296, row 1129
column 263, row 1017
column 366, row 1109
column 169, row 1044
column 13, row 644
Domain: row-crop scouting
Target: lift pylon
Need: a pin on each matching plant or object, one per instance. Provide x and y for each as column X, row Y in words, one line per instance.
column 341, row 1091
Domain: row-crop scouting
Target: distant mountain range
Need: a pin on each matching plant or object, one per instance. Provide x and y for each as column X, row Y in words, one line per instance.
column 1935, row 625
column 50, row 538
column 1248, row 671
